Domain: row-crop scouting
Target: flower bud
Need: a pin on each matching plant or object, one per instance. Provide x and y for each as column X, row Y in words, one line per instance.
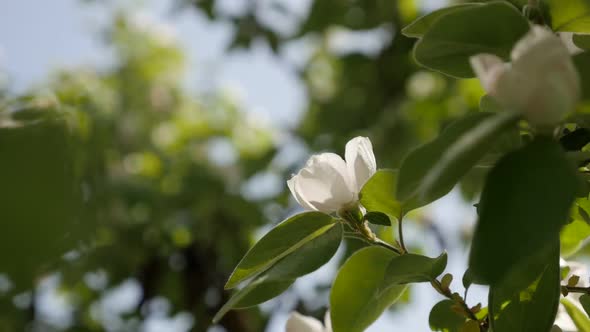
column 541, row 82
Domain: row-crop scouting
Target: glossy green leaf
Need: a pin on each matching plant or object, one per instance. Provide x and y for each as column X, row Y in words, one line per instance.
column 582, row 41
column 524, row 204
column 570, row 15
column 579, row 318
column 460, row 157
column 443, row 318
column 447, row 45
column 272, row 282
column 422, row 24
column 432, row 170
column 378, row 194
column 530, row 307
column 419, row 162
column 585, row 302
column 412, row 268
column 359, row 293
column 378, row 218
column 282, row 240
column 573, row 236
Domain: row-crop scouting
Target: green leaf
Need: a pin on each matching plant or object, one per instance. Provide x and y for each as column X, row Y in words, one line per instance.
column 467, row 279
column 470, row 326
column 530, row 307
column 570, row 15
column 579, row 318
column 274, row 281
column 422, row 24
column 282, row 240
column 411, row 268
column 377, row 218
column 40, row 198
column 447, row 46
column 585, row 302
column 582, row 41
column 432, row 170
column 487, row 103
column 360, row 294
column 464, row 154
column 573, row 236
column 524, row 204
column 443, row 318
column 582, row 63
column 378, row 194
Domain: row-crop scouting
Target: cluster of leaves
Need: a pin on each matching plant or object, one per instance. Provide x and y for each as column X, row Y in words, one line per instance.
column 532, row 209
column 114, row 168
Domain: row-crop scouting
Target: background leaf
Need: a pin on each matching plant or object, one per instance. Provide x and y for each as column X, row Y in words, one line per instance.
column 422, row 24
column 447, row 45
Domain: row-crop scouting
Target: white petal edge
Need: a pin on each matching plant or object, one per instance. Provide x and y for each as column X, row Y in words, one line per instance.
column 292, row 184
column 360, row 161
column 300, row 323
column 327, row 322
column 488, row 68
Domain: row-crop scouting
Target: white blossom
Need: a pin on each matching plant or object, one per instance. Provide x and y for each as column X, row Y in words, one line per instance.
column 300, row 323
column 328, row 183
column 541, row 82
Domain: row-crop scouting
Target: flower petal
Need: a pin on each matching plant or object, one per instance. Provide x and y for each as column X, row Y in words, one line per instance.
column 300, row 323
column 360, row 161
column 488, row 68
column 292, row 184
column 327, row 322
column 323, row 184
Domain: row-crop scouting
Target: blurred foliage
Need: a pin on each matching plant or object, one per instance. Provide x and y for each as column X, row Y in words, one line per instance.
column 110, row 177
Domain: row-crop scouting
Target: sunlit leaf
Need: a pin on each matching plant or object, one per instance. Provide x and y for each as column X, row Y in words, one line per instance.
column 362, row 278
column 571, row 15
column 579, row 318
column 272, row 282
column 378, row 194
column 282, row 240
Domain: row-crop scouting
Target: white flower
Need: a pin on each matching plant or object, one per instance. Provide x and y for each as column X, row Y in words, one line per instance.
column 541, row 82
column 328, row 183
column 299, row 323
